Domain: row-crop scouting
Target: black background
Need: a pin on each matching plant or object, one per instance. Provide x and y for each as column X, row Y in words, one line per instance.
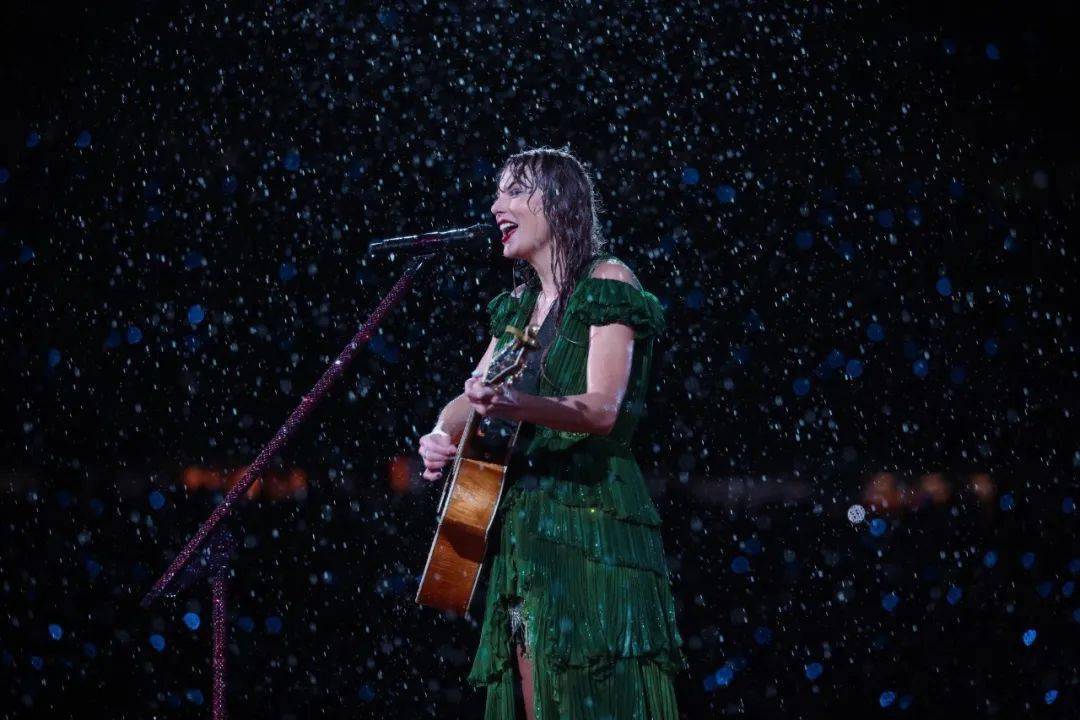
column 240, row 157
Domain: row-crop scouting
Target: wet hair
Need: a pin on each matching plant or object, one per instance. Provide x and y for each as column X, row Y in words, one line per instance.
column 570, row 206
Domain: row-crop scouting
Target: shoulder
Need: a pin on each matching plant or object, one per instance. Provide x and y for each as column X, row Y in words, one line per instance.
column 611, row 268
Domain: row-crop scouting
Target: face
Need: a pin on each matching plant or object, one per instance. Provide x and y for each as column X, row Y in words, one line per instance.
column 515, row 204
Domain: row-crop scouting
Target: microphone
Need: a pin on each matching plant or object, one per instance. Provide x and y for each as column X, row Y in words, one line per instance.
column 472, row 238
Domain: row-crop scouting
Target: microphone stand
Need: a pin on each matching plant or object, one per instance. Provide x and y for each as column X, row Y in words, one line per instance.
column 213, row 544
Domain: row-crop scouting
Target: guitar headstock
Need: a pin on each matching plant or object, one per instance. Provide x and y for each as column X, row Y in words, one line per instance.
column 507, row 363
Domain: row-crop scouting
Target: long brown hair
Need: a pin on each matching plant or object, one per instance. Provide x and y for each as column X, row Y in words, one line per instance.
column 571, row 206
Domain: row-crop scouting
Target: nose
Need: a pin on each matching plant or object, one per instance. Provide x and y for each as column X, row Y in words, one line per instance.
column 495, row 207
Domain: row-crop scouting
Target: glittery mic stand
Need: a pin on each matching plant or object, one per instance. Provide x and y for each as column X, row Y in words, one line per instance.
column 207, row 554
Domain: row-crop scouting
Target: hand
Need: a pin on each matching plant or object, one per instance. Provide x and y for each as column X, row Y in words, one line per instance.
column 487, row 400
column 436, row 449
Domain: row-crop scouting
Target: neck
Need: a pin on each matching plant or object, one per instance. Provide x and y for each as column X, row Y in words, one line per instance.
column 541, row 263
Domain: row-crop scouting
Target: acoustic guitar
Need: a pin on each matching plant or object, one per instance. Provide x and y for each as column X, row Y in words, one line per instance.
column 472, row 491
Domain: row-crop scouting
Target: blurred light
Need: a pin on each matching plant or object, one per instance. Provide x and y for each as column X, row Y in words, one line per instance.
column 1007, row 502
column 875, row 332
column 157, row 500
column 694, row 299
column 196, row 314
column 33, row 139
column 890, row 601
column 192, row 620
column 1029, row 637
column 55, row 631
column 886, row 699
column 992, row 51
column 804, row 239
column 134, row 335
column 273, row 625
column 690, row 176
column 920, row 367
column 725, row 194
column 157, row 642
column 83, row 139
column 814, row 670
column 276, row 484
column 801, row 386
column 291, row 161
column 401, row 473
column 944, row 287
column 287, row 271
column 854, row 368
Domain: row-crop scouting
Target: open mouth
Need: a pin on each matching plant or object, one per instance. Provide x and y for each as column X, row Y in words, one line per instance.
column 508, row 231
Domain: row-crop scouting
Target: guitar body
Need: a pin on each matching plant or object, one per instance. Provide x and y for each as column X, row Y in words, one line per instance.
column 471, row 495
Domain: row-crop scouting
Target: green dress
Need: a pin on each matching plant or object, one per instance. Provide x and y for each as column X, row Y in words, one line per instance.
column 578, row 540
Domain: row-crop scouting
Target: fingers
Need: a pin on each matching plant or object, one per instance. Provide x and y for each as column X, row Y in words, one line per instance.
column 480, row 395
column 437, row 443
column 476, row 390
column 435, row 451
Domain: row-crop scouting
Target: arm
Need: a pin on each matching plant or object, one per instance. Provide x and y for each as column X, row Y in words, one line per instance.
column 611, row 350
column 453, row 417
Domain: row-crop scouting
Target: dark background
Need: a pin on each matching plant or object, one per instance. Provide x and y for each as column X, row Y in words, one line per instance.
column 858, row 216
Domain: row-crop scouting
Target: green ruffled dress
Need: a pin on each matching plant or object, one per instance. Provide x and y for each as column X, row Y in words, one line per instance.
column 578, row 540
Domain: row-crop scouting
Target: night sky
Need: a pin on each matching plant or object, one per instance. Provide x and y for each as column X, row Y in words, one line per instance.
column 860, row 218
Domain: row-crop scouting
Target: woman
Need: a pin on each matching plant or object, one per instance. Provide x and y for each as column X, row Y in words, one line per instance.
column 579, row 619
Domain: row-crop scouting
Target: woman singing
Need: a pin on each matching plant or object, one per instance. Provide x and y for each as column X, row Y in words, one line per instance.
column 579, row 619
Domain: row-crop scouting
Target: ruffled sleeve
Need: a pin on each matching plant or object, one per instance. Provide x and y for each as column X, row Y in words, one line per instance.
column 602, row 301
column 500, row 310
